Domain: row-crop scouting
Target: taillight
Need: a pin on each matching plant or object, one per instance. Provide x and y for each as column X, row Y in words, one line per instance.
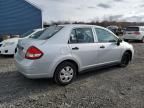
column 33, row 53
column 137, row 33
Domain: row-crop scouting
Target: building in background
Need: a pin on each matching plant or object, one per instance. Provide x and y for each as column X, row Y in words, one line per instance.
column 18, row 17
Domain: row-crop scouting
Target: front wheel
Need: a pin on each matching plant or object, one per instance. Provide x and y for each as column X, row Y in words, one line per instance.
column 65, row 73
column 142, row 41
column 125, row 59
column 126, row 40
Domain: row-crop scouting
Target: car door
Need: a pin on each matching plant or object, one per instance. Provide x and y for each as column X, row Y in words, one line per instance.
column 83, row 47
column 108, row 50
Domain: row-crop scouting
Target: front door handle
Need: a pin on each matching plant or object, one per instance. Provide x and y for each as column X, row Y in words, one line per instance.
column 102, row 46
column 75, row 48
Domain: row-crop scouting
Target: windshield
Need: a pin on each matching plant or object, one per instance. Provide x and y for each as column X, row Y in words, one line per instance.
column 47, row 33
column 132, row 29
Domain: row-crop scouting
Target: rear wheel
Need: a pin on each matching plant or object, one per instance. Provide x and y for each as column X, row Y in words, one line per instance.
column 65, row 73
column 15, row 50
column 125, row 59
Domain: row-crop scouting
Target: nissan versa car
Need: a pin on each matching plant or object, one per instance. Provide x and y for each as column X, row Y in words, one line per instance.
column 134, row 33
column 8, row 47
column 61, row 52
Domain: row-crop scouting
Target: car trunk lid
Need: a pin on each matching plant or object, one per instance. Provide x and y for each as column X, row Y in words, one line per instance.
column 24, row 44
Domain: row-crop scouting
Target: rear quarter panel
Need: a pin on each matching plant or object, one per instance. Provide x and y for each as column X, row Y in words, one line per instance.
column 54, row 54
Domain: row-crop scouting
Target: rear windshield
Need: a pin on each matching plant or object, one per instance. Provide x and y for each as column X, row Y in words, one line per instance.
column 36, row 34
column 132, row 29
column 27, row 33
column 47, row 33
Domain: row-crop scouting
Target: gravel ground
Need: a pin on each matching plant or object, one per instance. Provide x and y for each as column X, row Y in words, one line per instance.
column 112, row 87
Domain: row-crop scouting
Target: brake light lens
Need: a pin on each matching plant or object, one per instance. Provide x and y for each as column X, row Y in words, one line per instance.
column 137, row 33
column 33, row 53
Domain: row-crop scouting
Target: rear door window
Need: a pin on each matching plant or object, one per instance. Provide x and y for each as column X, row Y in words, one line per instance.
column 81, row 35
column 47, row 33
column 132, row 29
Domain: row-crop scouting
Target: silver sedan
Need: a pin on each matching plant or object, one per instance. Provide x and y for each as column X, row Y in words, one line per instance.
column 62, row 51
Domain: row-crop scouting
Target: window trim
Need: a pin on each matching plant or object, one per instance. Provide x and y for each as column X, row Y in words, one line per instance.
column 69, row 42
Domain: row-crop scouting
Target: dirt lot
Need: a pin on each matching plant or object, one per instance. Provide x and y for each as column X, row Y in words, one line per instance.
column 112, row 87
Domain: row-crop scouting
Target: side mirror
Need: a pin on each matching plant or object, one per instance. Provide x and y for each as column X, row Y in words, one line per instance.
column 118, row 42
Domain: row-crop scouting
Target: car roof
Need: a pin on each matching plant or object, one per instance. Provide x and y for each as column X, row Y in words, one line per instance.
column 80, row 25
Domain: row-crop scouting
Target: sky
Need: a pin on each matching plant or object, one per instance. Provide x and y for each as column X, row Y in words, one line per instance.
column 91, row 10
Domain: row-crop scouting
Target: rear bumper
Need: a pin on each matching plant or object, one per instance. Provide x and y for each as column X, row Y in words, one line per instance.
column 31, row 69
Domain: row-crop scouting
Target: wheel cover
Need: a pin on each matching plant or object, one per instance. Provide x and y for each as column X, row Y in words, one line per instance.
column 66, row 74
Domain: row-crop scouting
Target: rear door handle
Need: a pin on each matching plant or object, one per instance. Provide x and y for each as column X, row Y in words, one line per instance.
column 75, row 48
column 102, row 46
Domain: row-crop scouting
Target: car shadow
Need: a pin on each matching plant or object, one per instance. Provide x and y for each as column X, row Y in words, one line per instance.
column 96, row 71
column 6, row 56
column 133, row 41
column 14, row 85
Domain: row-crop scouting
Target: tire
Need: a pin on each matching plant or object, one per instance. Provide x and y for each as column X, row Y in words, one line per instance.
column 16, row 50
column 125, row 59
column 65, row 73
column 126, row 40
column 142, row 41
